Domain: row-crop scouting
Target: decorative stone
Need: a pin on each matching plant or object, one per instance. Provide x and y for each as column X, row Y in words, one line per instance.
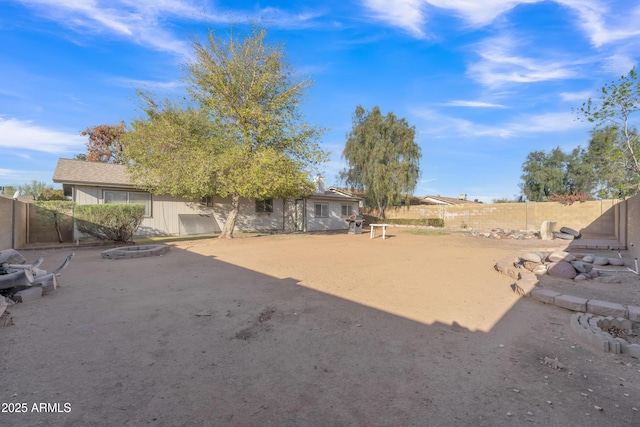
column 616, row 261
column 581, row 267
column 580, row 277
column 588, row 258
column 571, row 231
column 532, row 257
column 561, row 256
column 562, row 269
column 530, row 265
column 594, row 274
column 600, row 260
column 540, row 270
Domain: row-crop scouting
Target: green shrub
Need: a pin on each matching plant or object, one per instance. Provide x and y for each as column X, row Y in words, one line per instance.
column 115, row 222
column 424, row 222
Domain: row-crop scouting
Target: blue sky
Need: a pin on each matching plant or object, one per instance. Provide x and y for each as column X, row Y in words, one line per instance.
column 484, row 82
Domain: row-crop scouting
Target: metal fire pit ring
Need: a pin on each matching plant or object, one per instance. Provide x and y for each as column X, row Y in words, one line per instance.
column 139, row 251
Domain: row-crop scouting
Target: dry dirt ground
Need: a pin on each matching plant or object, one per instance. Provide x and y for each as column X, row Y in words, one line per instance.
column 304, row 330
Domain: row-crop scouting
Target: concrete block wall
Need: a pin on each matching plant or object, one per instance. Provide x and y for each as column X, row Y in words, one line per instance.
column 6, row 223
column 14, row 223
column 42, row 232
column 593, row 217
column 630, row 225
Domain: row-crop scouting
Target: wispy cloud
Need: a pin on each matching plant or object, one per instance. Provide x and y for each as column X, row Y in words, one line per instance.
column 499, row 65
column 25, row 135
column 473, row 104
column 406, row 14
column 602, row 22
column 141, row 21
column 576, row 96
column 479, row 13
column 148, row 84
column 441, row 125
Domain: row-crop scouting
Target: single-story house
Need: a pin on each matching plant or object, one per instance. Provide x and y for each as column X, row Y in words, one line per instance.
column 96, row 183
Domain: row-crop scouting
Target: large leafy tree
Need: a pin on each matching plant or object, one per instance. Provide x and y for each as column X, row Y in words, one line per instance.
column 104, row 144
column 613, row 111
column 40, row 191
column 242, row 135
column 606, row 160
column 383, row 157
column 556, row 173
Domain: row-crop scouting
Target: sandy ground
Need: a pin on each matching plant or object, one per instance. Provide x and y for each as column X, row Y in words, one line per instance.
column 304, row 330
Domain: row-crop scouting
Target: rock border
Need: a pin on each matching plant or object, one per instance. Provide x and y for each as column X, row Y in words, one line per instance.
column 139, row 251
column 587, row 329
column 589, row 312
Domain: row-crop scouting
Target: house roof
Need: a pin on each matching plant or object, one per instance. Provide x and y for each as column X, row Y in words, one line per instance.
column 332, row 195
column 91, row 173
column 440, row 200
column 357, row 194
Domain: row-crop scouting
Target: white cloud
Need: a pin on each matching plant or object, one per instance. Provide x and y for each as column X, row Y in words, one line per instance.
column 442, row 125
column 407, row 14
column 479, row 13
column 141, row 21
column 618, row 64
column 499, row 65
column 473, row 104
column 575, row 96
column 24, row 135
column 606, row 21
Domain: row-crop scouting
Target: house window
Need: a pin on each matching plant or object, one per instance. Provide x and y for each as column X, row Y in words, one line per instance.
column 207, row 201
column 265, row 205
column 111, row 196
column 322, row 210
column 347, row 210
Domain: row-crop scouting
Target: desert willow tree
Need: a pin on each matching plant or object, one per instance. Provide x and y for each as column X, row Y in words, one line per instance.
column 383, row 158
column 242, row 136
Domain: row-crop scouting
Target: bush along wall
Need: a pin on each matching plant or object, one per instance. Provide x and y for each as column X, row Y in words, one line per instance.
column 423, row 222
column 114, row 222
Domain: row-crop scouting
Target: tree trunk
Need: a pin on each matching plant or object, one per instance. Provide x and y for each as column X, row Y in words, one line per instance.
column 230, row 223
column 381, row 210
column 56, row 223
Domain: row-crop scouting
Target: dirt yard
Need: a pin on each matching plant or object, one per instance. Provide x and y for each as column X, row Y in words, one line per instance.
column 304, row 330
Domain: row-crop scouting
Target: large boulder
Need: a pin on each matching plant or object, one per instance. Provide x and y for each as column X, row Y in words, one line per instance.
column 562, row 269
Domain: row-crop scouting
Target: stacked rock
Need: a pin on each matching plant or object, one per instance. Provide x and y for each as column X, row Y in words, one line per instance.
column 565, row 265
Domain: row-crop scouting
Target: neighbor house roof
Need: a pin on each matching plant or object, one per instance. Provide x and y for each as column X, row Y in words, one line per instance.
column 91, row 173
column 440, row 200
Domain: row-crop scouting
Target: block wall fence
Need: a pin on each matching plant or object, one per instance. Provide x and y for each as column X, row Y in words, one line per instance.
column 20, row 225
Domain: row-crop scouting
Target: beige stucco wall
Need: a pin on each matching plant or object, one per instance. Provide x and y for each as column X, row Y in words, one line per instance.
column 593, row 217
column 6, row 223
column 13, row 223
column 631, row 233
